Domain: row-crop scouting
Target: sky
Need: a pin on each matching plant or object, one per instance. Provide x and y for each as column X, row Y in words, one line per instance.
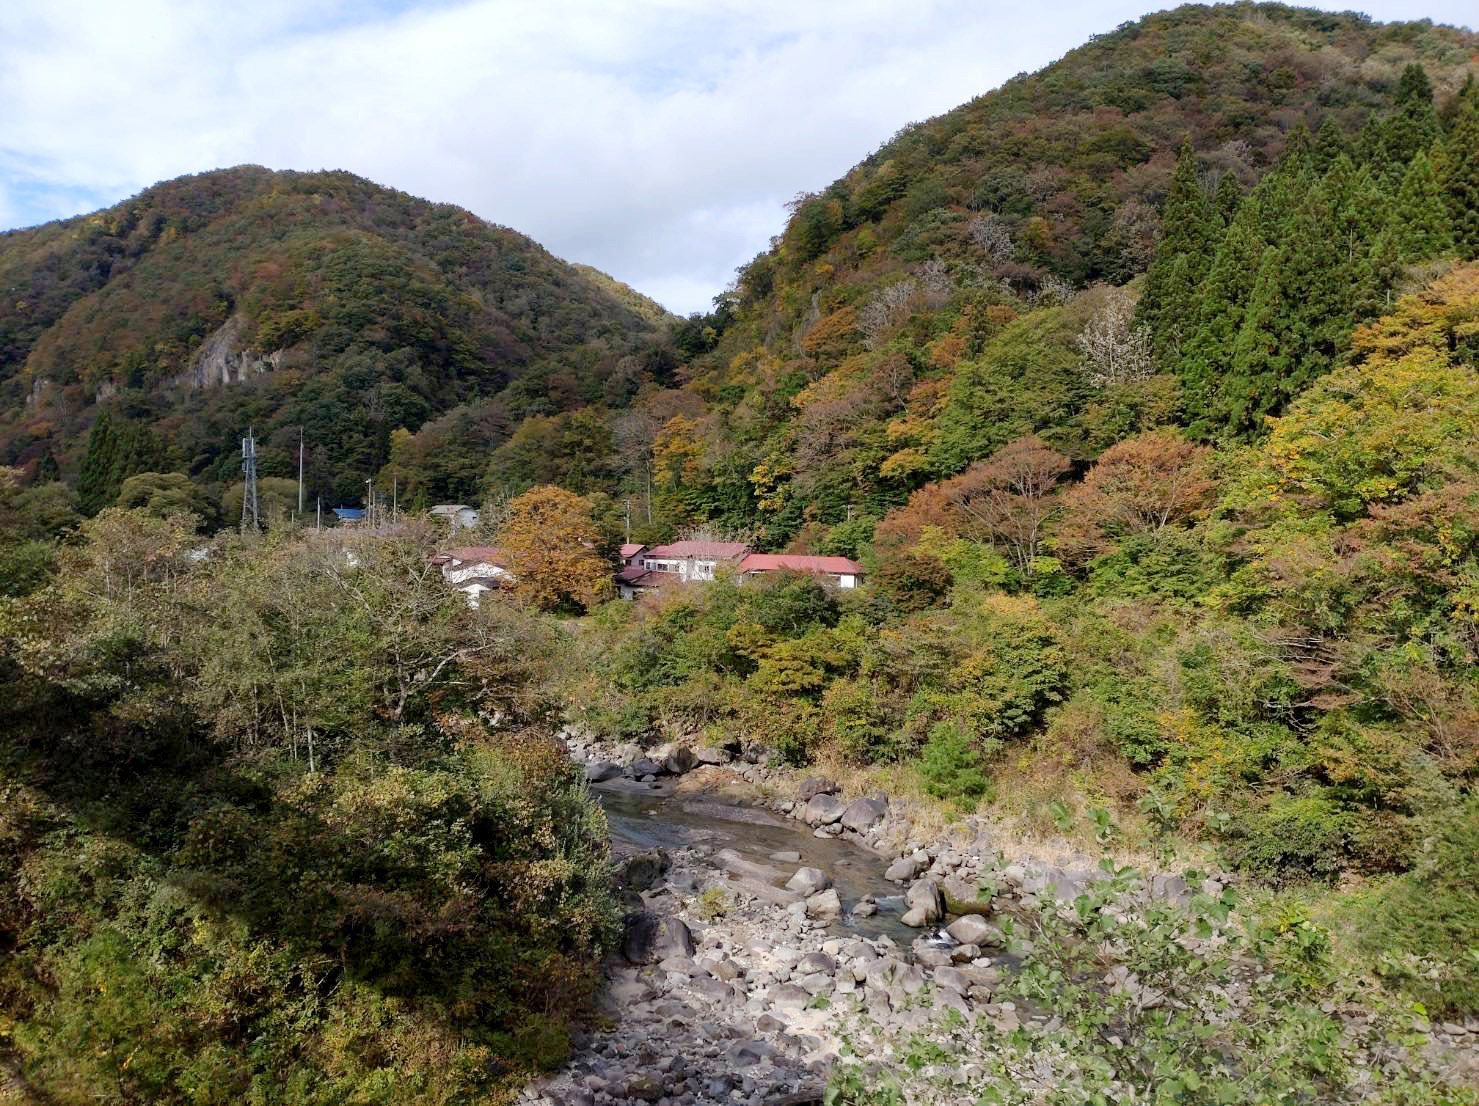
column 657, row 140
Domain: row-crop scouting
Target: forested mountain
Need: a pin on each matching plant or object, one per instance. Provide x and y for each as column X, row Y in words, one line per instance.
column 1145, row 390
column 281, row 300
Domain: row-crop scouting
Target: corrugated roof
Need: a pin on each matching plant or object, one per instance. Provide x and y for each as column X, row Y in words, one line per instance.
column 631, row 549
column 637, row 576
column 796, row 562
column 724, row 550
column 489, row 554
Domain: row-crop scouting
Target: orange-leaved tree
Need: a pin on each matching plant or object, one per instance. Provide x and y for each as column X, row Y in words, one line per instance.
column 553, row 548
column 1010, row 496
column 1140, row 486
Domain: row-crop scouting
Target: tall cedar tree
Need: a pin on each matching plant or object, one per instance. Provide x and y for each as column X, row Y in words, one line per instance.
column 1420, row 216
column 1462, row 172
column 116, row 450
column 1395, row 140
column 1191, row 226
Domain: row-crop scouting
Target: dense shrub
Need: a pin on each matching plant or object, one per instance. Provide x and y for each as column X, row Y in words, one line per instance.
column 1425, row 924
column 1292, row 839
column 950, row 765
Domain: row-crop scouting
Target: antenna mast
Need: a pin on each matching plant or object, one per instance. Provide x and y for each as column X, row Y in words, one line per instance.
column 249, row 512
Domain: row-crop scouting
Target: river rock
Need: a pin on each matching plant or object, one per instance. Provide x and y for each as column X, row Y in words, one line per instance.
column 952, row 978
column 712, row 754
column 963, row 896
column 925, row 895
column 862, row 815
column 816, row 785
column 931, row 955
column 808, row 881
column 644, row 1088
column 904, row 869
column 816, row 962
column 972, row 929
column 824, row 906
column 650, row 938
column 599, row 771
column 643, row 769
column 641, row 871
column 680, row 760
column 786, row 856
column 865, row 909
column 823, row 810
column 915, row 917
column 788, row 996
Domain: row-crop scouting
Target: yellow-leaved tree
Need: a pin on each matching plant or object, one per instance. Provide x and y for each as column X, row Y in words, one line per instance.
column 554, row 550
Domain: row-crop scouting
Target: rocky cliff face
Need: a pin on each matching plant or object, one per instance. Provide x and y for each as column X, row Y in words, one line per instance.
column 222, row 360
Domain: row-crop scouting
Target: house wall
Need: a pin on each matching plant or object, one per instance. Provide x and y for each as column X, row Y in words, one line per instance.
column 466, row 570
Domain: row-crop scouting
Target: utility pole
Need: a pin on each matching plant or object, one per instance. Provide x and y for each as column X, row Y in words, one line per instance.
column 300, row 471
column 370, row 503
column 395, row 497
column 629, row 520
column 249, row 512
column 318, row 519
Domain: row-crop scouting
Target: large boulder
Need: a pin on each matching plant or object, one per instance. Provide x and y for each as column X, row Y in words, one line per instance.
column 816, row 785
column 964, row 896
column 862, row 815
column 972, row 929
column 599, row 771
column 823, row 810
column 808, row 881
column 903, row 870
column 712, row 754
column 824, row 906
column 644, row 767
column 925, row 895
column 641, row 870
column 681, row 760
column 650, row 938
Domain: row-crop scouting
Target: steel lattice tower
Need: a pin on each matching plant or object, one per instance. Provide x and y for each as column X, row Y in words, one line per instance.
column 249, row 513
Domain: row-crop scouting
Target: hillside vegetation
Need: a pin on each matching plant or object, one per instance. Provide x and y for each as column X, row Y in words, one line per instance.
column 334, row 305
column 1144, row 388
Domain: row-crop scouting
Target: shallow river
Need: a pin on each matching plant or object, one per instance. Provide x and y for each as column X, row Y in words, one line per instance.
column 656, row 818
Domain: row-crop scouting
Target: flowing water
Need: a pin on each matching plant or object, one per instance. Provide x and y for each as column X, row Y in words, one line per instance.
column 646, row 817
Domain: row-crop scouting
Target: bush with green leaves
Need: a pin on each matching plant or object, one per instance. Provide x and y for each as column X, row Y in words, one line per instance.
column 1424, row 926
column 950, row 765
column 1292, row 838
column 1148, row 1001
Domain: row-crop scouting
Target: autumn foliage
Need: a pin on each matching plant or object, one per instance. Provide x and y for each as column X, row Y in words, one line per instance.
column 553, row 547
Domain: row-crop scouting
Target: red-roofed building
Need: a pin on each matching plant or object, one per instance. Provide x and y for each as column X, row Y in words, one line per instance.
column 839, row 571
column 692, row 560
column 631, row 551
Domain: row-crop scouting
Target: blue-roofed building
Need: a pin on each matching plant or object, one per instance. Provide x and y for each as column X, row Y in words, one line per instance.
column 349, row 514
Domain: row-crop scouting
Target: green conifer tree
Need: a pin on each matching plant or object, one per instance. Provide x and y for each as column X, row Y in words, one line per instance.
column 1299, row 315
column 47, row 469
column 1420, row 215
column 1191, row 228
column 95, row 479
column 1229, row 198
column 1410, row 127
column 1222, row 301
column 1461, row 175
column 116, row 450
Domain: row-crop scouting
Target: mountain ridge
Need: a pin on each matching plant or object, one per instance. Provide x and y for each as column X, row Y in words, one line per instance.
column 282, row 272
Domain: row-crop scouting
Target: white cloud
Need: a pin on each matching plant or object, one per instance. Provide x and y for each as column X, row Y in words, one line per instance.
column 657, row 140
